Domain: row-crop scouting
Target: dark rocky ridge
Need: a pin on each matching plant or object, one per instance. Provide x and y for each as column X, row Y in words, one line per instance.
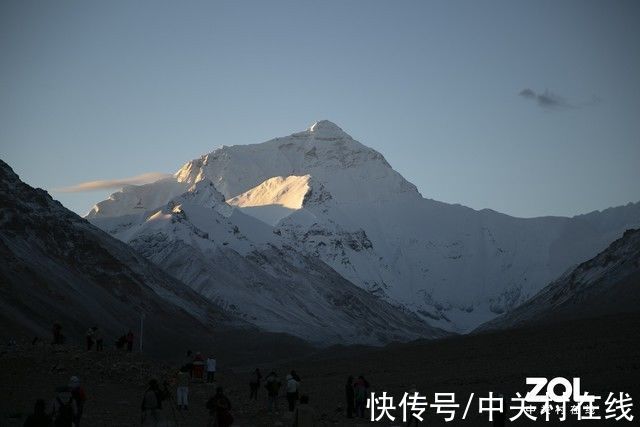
column 607, row 284
column 58, row 267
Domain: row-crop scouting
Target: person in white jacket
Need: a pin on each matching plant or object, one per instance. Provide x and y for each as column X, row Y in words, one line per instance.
column 292, row 392
column 211, row 369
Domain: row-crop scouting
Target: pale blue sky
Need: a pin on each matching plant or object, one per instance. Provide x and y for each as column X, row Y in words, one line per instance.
column 109, row 89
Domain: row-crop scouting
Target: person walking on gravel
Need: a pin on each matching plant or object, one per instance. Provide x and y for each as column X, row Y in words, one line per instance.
column 152, row 404
column 272, row 384
column 129, row 340
column 350, row 396
column 305, row 415
column 292, row 392
column 79, row 397
column 361, row 389
column 219, row 407
column 254, row 384
column 211, row 369
column 39, row 418
column 182, row 390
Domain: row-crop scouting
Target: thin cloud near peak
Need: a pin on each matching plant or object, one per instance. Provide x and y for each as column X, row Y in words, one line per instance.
column 114, row 184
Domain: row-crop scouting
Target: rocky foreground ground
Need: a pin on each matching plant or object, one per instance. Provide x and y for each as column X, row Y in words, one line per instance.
column 603, row 352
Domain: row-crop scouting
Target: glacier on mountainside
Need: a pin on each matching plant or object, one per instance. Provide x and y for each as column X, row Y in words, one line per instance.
column 322, row 195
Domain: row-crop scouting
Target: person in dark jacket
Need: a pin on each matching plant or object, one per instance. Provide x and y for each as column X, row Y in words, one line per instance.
column 219, row 407
column 350, row 396
column 361, row 390
column 152, row 404
column 58, row 338
column 39, row 418
column 272, row 384
column 99, row 340
column 63, row 408
column 79, row 397
column 254, row 384
column 130, row 341
column 90, row 338
column 121, row 342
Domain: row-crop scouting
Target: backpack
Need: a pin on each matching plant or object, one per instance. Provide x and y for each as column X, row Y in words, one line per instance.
column 150, row 400
column 226, row 418
column 162, row 395
column 273, row 386
column 79, row 395
column 64, row 415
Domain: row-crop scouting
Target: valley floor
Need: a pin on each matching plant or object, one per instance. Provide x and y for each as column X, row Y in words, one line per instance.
column 603, row 352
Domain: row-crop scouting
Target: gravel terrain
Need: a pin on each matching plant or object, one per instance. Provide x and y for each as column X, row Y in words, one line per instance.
column 603, row 352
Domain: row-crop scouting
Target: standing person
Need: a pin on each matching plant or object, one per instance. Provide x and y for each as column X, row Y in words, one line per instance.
column 99, row 340
column 292, row 392
column 182, row 390
column 305, row 415
column 57, row 334
column 211, row 369
column 187, row 365
column 361, row 389
column 197, row 367
column 296, row 377
column 254, row 384
column 350, row 395
column 219, row 408
column 129, row 339
column 121, row 342
column 89, row 337
column 152, row 404
column 272, row 384
column 39, row 418
column 63, row 408
column 79, row 397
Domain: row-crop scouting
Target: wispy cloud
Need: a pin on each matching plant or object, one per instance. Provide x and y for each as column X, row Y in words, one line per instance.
column 527, row 93
column 114, row 184
column 546, row 99
column 552, row 100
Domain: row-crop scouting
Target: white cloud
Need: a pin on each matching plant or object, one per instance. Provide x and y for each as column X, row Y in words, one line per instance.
column 114, row 184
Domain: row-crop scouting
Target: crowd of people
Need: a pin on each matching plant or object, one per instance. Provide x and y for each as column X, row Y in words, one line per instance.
column 219, row 407
column 93, row 338
column 67, row 407
column 65, row 410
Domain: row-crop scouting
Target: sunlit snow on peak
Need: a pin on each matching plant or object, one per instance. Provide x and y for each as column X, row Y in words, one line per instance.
column 274, row 198
column 324, row 129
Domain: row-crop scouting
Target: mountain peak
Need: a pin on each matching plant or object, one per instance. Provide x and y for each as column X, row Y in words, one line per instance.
column 324, row 129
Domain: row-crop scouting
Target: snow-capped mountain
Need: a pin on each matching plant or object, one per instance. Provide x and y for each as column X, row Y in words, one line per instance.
column 327, row 196
column 607, row 284
column 57, row 267
column 237, row 262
